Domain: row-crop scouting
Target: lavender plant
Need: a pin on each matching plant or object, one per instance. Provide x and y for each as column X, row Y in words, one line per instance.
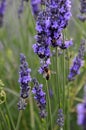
column 50, row 26
column 50, row 97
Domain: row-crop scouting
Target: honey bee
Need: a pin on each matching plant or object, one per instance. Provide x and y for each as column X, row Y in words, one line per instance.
column 47, row 73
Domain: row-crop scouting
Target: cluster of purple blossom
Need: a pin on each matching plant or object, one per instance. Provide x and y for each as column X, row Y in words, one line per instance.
column 40, row 97
column 24, row 80
column 49, row 26
column 82, row 17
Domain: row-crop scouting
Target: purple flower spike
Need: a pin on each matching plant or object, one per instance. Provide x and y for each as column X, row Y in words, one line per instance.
column 78, row 62
column 81, row 112
column 40, row 97
column 64, row 44
column 75, row 68
column 83, row 6
column 60, row 118
column 21, row 7
column 35, row 5
column 82, row 17
column 24, row 77
column 2, row 11
column 21, row 104
column 58, row 17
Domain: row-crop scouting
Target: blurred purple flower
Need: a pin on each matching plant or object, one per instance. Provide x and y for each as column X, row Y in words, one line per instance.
column 36, row 7
column 83, row 6
column 21, row 7
column 78, row 62
column 60, row 118
column 2, row 11
column 82, row 17
column 75, row 68
column 81, row 112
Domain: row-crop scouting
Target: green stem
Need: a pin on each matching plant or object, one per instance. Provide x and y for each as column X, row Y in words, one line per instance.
column 57, row 78
column 64, row 102
column 18, row 121
column 32, row 113
column 49, row 107
column 10, row 117
column 68, row 99
column 68, row 111
column 63, row 80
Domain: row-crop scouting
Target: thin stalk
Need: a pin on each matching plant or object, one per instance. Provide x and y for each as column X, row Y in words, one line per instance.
column 68, row 111
column 10, row 117
column 61, row 128
column 32, row 113
column 57, row 78
column 18, row 121
column 49, row 106
column 63, row 80
column 64, row 102
column 68, row 100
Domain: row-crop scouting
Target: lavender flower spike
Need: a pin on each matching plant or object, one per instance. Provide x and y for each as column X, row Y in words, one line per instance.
column 58, row 17
column 60, row 118
column 35, row 5
column 78, row 62
column 83, row 6
column 24, row 77
column 2, row 11
column 21, row 104
column 81, row 112
column 82, row 17
column 21, row 7
column 40, row 97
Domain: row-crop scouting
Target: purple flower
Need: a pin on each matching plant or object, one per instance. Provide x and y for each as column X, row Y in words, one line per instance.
column 82, row 17
column 43, row 41
column 24, row 77
column 58, row 17
column 2, row 11
column 35, row 5
column 77, row 62
column 64, row 44
column 21, row 7
column 75, row 68
column 60, row 118
column 83, row 6
column 81, row 112
column 21, row 104
column 40, row 97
